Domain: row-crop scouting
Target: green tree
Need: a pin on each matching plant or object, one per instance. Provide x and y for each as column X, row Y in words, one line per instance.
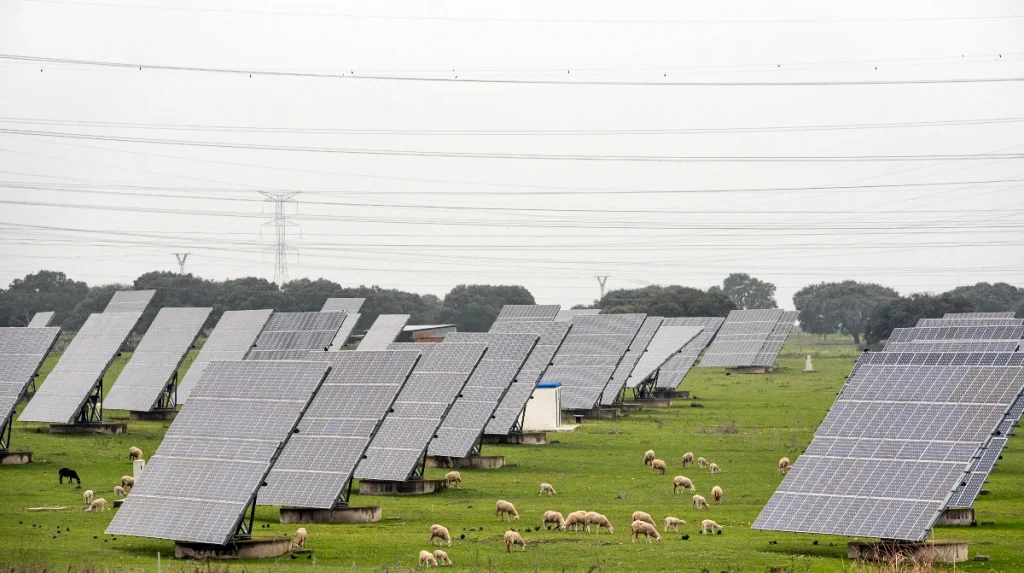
column 667, row 301
column 985, row 297
column 175, row 290
column 40, row 292
column 248, row 293
column 94, row 301
column 840, row 307
column 748, row 292
column 904, row 312
column 304, row 295
column 473, row 308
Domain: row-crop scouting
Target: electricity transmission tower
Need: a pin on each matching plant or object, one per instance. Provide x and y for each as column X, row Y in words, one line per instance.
column 181, row 261
column 601, row 280
column 281, row 225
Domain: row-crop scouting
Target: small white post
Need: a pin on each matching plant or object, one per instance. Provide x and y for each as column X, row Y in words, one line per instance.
column 137, row 467
column 157, row 562
column 808, row 367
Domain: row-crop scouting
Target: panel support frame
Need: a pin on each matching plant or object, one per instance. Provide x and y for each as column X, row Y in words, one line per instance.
column 244, row 530
column 92, row 411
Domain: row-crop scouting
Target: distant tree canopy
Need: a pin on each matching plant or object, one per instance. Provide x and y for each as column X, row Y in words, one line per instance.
column 473, row 308
column 748, row 292
column 985, row 297
column 667, row 301
column 904, row 312
column 40, row 292
column 840, row 307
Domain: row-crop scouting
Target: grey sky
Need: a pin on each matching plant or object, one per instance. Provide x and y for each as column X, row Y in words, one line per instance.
column 353, row 228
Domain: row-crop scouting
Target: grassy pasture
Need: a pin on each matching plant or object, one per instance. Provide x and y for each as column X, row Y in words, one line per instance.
column 744, row 423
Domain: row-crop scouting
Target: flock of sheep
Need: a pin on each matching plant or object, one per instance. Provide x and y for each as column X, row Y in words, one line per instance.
column 89, row 496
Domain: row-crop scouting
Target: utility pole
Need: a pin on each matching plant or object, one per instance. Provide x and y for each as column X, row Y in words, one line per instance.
column 281, row 224
column 181, row 261
column 601, row 280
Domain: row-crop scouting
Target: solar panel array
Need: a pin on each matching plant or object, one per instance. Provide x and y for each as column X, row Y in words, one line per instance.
column 22, row 351
column 347, row 326
column 510, row 409
column 383, row 332
column 589, row 355
column 472, row 411
column 422, row 404
column 318, row 462
column 749, row 338
column 895, row 444
column 290, row 335
column 41, row 319
column 1003, row 338
column 980, row 468
column 218, row 451
column 129, row 301
column 156, row 359
column 666, row 343
column 567, row 314
column 776, row 340
column 636, row 349
column 671, row 374
column 343, row 304
column 970, row 321
column 231, row 339
column 979, row 315
column 80, row 367
column 527, row 312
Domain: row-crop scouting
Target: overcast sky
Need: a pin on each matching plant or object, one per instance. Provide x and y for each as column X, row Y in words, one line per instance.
column 565, row 190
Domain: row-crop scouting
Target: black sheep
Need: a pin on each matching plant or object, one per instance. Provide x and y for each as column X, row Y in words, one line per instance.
column 70, row 474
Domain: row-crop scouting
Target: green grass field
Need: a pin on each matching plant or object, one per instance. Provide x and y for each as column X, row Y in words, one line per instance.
column 744, row 423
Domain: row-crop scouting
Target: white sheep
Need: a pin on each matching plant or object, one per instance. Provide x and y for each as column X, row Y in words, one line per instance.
column 442, row 557
column 709, row 525
column 716, row 492
column 98, row 504
column 438, row 531
column 576, row 521
column 673, row 523
column 87, row 495
column 784, row 466
column 714, row 468
column 134, row 453
column 513, row 538
column 453, row 478
column 687, row 459
column 506, row 511
column 682, row 482
column 646, row 529
column 118, row 490
column 427, row 559
column 658, row 466
column 553, row 517
column 699, row 502
column 642, row 516
column 594, row 518
column 300, row 538
column 127, row 482
column 546, row 487
column 702, row 463
column 648, row 457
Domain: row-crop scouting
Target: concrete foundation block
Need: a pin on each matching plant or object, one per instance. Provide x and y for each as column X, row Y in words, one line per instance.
column 651, row 403
column 15, row 458
column 92, row 428
column 750, row 370
column 366, row 514
column 630, row 406
column 520, row 438
column 257, row 548
column 154, row 416
column 411, row 487
column 665, row 394
column 470, row 462
column 956, row 516
column 945, row 551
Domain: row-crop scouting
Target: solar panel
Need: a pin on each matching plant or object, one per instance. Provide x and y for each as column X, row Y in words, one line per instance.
column 129, row 301
column 351, row 318
column 434, row 384
column 316, row 467
column 988, row 338
column 971, row 485
column 81, row 367
column 527, row 312
column 970, row 321
column 156, row 359
column 636, row 349
column 776, row 340
column 231, row 339
column 508, row 416
column 895, row 444
column 567, row 314
column 472, row 411
column 667, row 342
column 218, row 451
column 979, row 315
column 22, row 352
column 41, row 319
column 384, row 331
column 343, row 304
column 742, row 338
column 671, row 374
column 289, row 335
column 589, row 355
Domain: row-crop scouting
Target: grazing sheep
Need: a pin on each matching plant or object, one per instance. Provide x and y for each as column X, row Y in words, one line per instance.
column 68, row 473
column 648, row 457
column 687, row 459
column 118, row 490
column 784, row 466
column 658, row 466
column 87, row 496
column 98, row 504
column 546, row 487
column 702, row 463
column 506, row 510
column 577, row 520
column 440, row 532
column 513, row 538
column 453, row 478
column 699, row 502
column 427, row 559
column 442, row 557
column 134, row 453
column 708, row 525
column 646, row 529
column 716, row 492
column 594, row 518
column 127, row 482
column 642, row 516
column 553, row 517
column 444, row 461
column 714, row 468
column 300, row 538
column 682, row 482
column 673, row 523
